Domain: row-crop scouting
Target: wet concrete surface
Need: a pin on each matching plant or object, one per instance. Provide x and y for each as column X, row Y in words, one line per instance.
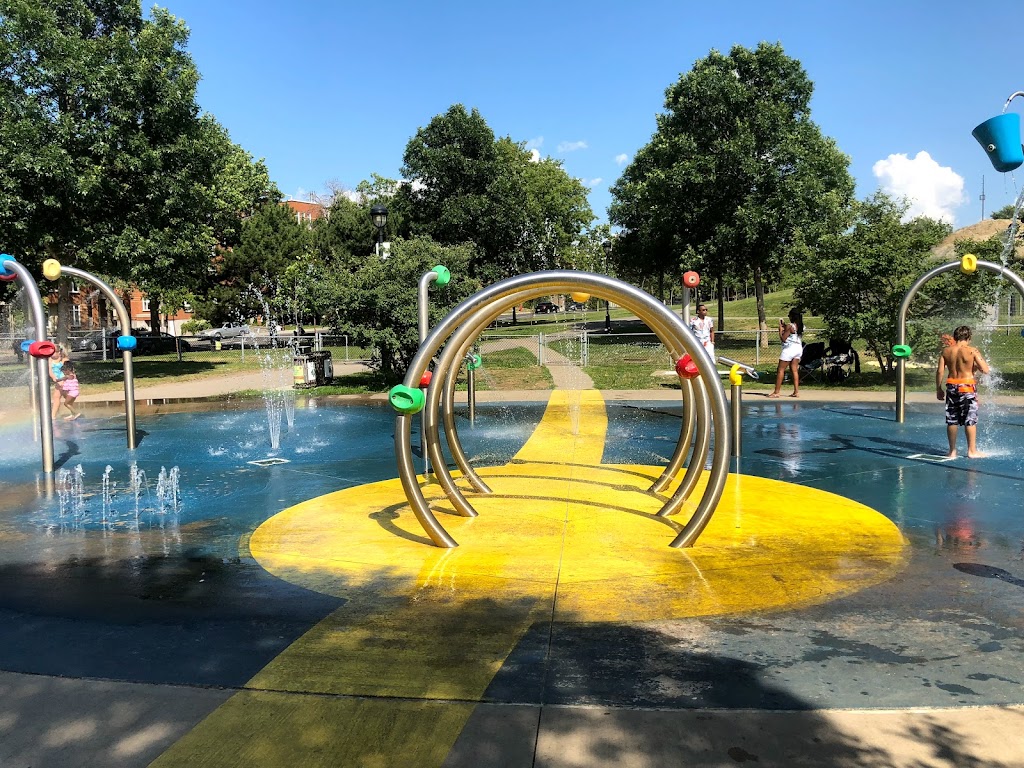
column 193, row 609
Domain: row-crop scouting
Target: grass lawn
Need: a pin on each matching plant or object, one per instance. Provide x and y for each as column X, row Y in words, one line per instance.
column 614, row 362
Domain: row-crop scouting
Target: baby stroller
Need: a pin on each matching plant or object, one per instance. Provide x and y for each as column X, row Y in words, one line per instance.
column 812, row 361
column 840, row 357
column 830, row 364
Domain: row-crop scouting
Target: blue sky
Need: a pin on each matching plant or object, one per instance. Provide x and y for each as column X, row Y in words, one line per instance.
column 330, row 92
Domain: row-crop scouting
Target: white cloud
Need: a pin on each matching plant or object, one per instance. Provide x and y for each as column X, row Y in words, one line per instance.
column 594, row 182
column 534, row 155
column 571, row 146
column 536, row 143
column 932, row 190
column 300, row 194
column 621, row 159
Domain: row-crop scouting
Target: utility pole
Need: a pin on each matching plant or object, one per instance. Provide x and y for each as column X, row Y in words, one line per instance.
column 982, row 197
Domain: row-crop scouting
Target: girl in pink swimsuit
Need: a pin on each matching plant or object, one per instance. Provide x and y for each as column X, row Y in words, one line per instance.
column 69, row 391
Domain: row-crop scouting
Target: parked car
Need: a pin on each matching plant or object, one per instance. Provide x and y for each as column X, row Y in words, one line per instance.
column 147, row 343
column 545, row 307
column 93, row 341
column 226, row 331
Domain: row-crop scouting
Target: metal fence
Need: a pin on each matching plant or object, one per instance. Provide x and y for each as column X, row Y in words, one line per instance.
column 1002, row 345
column 568, row 344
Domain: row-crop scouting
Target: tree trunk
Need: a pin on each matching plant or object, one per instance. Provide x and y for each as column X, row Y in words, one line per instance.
column 759, row 297
column 63, row 311
column 154, row 315
column 721, row 304
column 515, row 320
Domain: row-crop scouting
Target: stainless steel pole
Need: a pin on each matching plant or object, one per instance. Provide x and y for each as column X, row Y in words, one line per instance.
column 126, row 355
column 35, row 305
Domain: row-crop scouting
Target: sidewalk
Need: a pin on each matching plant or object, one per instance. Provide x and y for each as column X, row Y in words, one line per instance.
column 212, row 386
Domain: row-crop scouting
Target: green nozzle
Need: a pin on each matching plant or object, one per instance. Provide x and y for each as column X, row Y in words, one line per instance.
column 474, row 362
column 443, row 275
column 406, row 399
column 901, row 350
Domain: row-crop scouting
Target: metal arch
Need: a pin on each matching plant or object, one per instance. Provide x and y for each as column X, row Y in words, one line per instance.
column 126, row 354
column 447, row 366
column 679, row 339
column 701, row 449
column 42, row 375
column 901, row 329
column 465, row 334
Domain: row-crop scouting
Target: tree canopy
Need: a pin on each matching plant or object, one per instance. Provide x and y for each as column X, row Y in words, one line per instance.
column 271, row 243
column 105, row 160
column 377, row 304
column 736, row 175
column 465, row 186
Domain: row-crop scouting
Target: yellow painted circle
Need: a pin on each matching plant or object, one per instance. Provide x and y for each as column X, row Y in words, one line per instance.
column 586, row 539
column 580, row 298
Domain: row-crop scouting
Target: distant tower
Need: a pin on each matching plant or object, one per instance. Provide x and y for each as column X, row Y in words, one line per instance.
column 982, row 197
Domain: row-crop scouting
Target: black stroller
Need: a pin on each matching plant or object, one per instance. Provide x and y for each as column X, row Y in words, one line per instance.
column 831, row 364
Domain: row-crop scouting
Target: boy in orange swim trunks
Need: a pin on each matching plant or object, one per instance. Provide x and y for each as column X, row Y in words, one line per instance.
column 954, row 383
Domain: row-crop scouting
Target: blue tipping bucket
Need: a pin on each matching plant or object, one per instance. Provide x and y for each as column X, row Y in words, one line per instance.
column 1000, row 137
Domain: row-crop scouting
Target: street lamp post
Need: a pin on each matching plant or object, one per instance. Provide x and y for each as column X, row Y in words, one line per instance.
column 607, row 246
column 379, row 217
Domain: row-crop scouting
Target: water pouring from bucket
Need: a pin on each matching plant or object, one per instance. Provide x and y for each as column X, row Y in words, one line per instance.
column 999, row 136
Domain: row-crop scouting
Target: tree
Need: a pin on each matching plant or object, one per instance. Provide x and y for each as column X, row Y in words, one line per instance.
column 857, row 280
column 736, row 176
column 105, row 160
column 249, row 276
column 1006, row 212
column 376, row 305
column 465, row 186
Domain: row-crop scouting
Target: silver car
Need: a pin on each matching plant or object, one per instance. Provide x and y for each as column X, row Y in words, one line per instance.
column 226, row 331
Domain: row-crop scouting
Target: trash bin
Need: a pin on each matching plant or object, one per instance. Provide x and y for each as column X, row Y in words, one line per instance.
column 323, row 366
column 303, row 372
column 312, row 370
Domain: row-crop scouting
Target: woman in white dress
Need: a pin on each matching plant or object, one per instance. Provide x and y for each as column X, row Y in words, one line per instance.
column 792, row 348
column 703, row 328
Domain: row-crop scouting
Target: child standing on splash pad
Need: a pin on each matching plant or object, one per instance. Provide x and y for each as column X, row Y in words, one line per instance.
column 60, row 357
column 69, row 390
column 703, row 328
column 960, row 390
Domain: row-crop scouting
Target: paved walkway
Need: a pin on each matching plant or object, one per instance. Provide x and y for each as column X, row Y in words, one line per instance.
column 211, row 386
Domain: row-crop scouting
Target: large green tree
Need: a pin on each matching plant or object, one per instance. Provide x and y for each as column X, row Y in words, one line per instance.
column 376, row 305
column 105, row 160
column 250, row 279
column 736, row 176
column 465, row 186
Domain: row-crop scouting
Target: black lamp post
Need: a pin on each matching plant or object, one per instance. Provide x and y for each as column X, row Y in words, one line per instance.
column 379, row 217
column 607, row 245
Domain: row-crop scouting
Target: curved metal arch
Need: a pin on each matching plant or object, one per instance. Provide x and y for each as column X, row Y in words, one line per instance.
column 901, row 329
column 671, row 470
column 678, row 339
column 126, row 354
